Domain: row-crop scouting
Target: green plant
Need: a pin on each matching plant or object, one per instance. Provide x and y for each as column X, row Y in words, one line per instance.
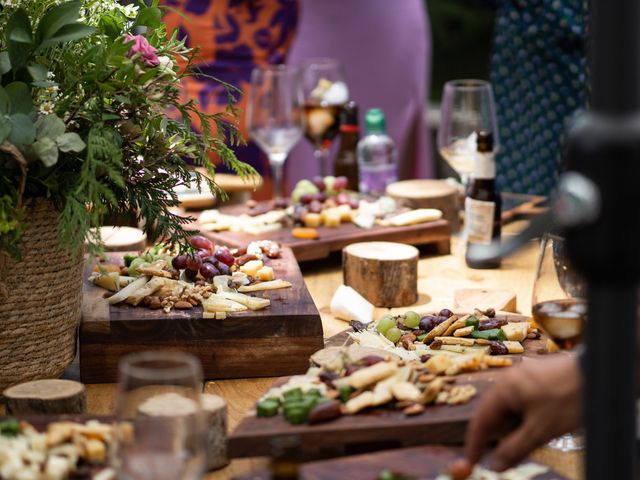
column 84, row 119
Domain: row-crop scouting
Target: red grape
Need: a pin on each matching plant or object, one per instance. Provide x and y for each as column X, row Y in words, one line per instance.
column 318, row 181
column 193, row 263
column 225, row 256
column 224, row 268
column 340, row 183
column 191, row 275
column 203, row 253
column 306, row 198
column 320, row 197
column 212, row 260
column 343, row 199
column 179, row 262
column 198, row 241
column 354, row 203
column 208, row 271
column 315, row 207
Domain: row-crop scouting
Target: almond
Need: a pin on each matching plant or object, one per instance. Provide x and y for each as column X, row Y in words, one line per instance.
column 182, row 305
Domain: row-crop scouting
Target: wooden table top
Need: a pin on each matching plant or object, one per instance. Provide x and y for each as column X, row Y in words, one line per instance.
column 438, row 277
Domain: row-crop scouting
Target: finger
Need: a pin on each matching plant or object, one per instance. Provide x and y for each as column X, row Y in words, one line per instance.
column 516, row 446
column 488, row 417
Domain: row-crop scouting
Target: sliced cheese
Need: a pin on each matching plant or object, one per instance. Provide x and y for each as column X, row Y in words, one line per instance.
column 412, row 217
column 516, row 331
column 347, row 304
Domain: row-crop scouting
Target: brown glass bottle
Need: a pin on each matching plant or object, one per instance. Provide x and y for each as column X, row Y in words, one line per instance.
column 346, row 162
column 483, row 205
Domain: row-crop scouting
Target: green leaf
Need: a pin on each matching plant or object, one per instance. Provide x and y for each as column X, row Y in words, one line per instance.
column 5, row 128
column 57, row 17
column 23, row 132
column 20, row 95
column 70, row 142
column 49, row 126
column 149, row 17
column 19, row 39
column 5, row 102
column 5, row 63
column 47, row 151
column 37, row 71
column 68, row 33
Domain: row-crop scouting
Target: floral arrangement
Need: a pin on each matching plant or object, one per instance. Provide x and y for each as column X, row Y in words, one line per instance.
column 92, row 117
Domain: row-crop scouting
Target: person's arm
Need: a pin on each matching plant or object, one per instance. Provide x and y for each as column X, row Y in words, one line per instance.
column 530, row 404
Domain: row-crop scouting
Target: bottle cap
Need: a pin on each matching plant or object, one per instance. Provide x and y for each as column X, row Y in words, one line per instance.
column 374, row 121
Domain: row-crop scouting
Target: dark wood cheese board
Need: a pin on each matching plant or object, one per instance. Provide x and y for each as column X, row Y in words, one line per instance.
column 437, row 234
column 271, row 342
column 379, row 428
column 424, row 462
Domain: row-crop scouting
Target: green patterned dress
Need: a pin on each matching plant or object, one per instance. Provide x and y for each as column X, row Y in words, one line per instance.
column 538, row 71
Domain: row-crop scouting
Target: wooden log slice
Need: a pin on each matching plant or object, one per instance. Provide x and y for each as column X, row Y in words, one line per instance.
column 215, row 409
column 384, row 273
column 428, row 193
column 51, row 396
column 123, row 238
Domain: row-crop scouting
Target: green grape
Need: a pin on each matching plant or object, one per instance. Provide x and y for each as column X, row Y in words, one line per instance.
column 385, row 323
column 393, row 334
column 411, row 319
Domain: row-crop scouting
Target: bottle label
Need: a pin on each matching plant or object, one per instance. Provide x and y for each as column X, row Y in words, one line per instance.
column 478, row 219
column 485, row 166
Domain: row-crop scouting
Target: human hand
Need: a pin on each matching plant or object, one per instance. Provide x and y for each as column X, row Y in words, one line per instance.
column 535, row 401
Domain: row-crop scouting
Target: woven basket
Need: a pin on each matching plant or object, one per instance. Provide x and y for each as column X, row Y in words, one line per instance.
column 40, row 300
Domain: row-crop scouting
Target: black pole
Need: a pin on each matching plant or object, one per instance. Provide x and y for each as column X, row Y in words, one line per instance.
column 604, row 147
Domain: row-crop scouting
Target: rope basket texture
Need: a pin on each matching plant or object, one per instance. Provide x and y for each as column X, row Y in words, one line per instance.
column 40, row 300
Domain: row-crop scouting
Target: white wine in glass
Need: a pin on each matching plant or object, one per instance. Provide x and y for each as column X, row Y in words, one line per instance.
column 275, row 116
column 559, row 307
column 467, row 107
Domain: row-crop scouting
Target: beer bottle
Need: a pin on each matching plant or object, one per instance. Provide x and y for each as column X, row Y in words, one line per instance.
column 483, row 206
column 346, row 163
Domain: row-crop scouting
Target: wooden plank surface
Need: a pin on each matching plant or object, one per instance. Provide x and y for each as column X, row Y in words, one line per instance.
column 330, row 240
column 419, row 462
column 274, row 341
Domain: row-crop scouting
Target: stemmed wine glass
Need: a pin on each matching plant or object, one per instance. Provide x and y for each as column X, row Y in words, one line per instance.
column 160, row 432
column 275, row 116
column 467, row 107
column 325, row 93
column 559, row 306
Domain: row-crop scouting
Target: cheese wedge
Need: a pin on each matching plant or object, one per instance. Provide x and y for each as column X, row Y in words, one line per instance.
column 412, row 217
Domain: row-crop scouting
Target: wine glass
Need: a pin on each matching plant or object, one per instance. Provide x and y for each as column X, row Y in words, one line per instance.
column 275, row 116
column 160, row 432
column 559, row 307
column 467, row 107
column 325, row 93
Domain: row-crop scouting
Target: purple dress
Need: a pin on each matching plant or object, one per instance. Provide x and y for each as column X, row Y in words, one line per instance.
column 385, row 48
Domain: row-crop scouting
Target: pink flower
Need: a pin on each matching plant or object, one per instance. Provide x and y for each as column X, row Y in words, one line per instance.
column 142, row 48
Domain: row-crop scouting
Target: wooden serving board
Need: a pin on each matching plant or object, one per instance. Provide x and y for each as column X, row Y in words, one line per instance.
column 330, row 240
column 424, row 462
column 271, row 342
column 378, row 429
column 372, row 430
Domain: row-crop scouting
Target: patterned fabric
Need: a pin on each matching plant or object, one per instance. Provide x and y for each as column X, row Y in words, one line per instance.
column 539, row 78
column 233, row 36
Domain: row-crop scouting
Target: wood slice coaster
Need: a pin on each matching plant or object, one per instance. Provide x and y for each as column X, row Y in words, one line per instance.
column 123, row 238
column 384, row 273
column 428, row 193
column 52, row 396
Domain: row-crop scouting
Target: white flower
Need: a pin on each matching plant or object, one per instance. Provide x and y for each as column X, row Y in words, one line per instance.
column 10, row 3
column 129, row 11
column 50, row 76
column 47, row 108
column 166, row 66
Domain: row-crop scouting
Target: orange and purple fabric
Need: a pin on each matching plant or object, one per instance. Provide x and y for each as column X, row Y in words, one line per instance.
column 233, row 36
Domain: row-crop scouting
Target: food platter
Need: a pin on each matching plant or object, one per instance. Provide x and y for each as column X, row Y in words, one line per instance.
column 436, row 233
column 277, row 340
column 429, row 403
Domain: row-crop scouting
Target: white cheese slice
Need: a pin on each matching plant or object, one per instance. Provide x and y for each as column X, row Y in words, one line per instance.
column 347, row 304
